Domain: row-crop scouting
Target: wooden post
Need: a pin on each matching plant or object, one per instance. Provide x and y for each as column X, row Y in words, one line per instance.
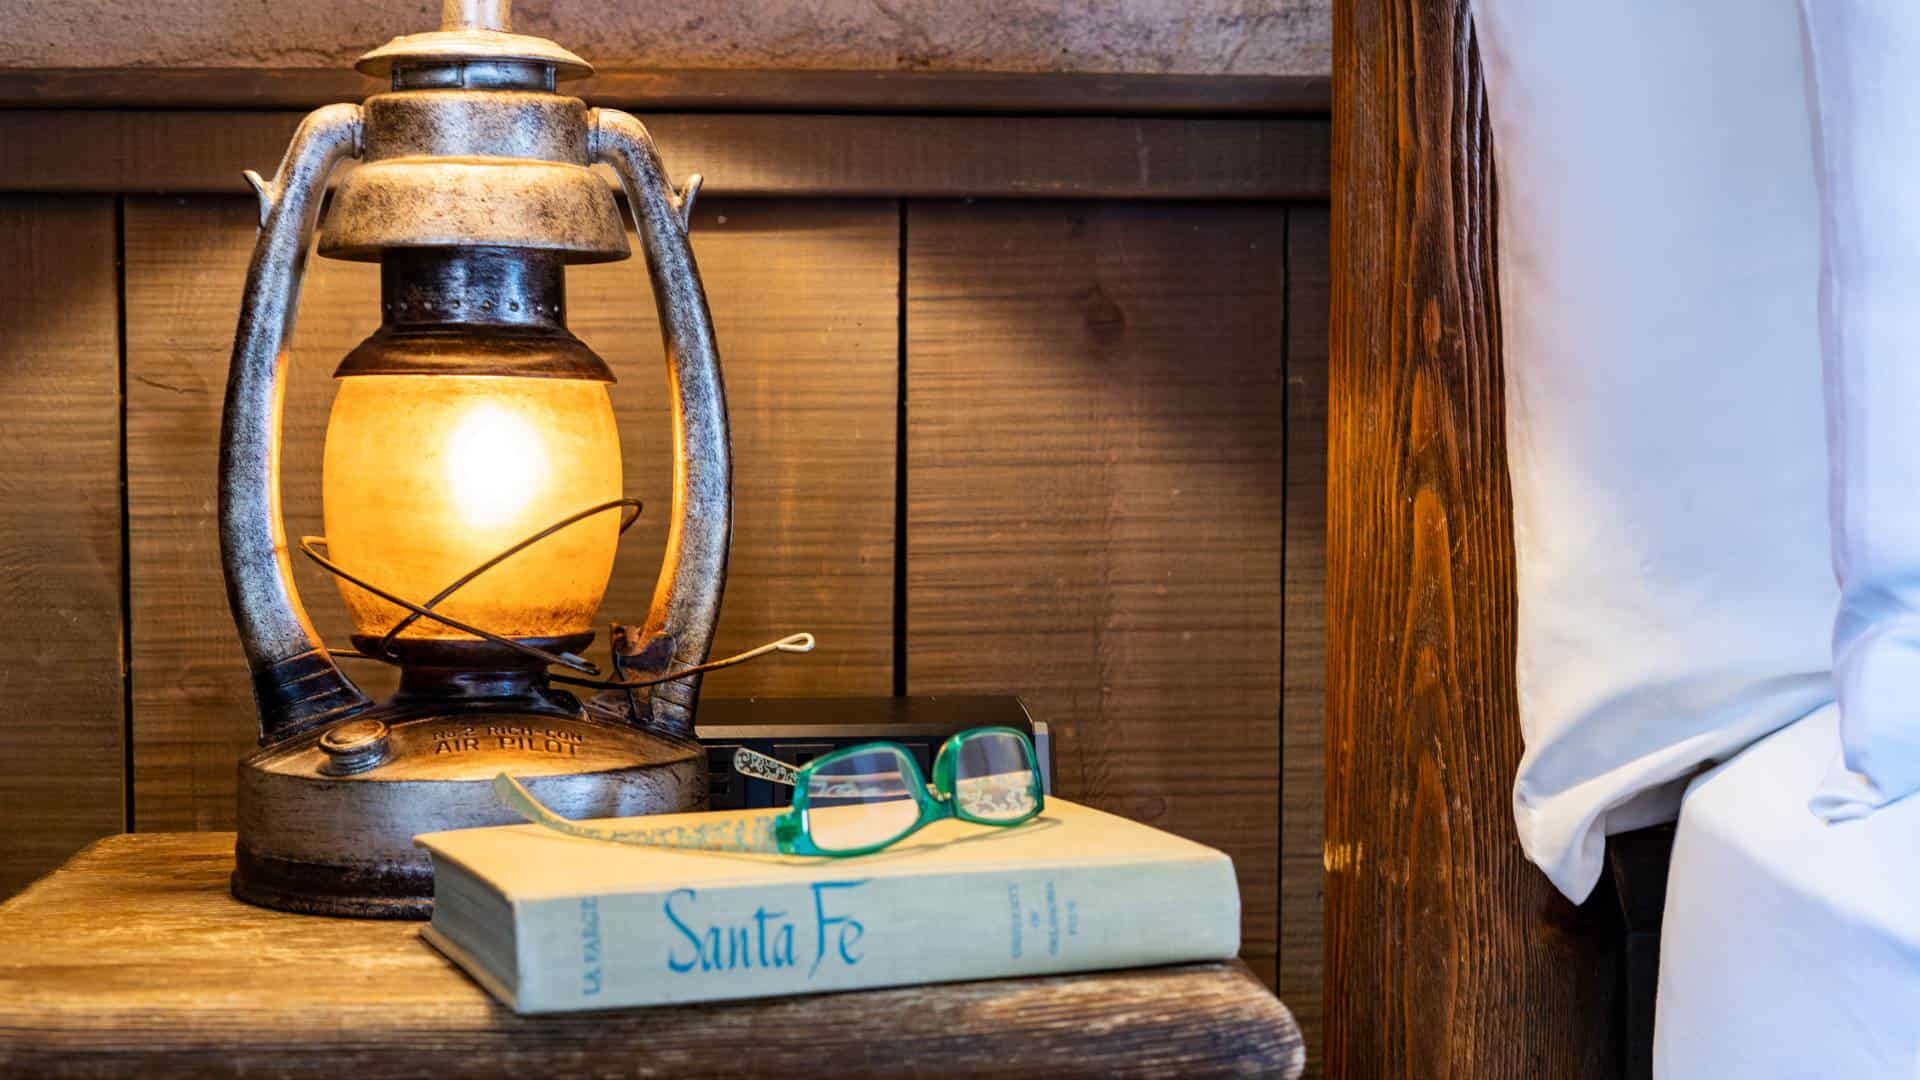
column 1447, row 953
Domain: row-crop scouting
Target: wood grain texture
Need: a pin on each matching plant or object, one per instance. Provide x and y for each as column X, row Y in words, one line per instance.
column 718, row 89
column 1447, row 954
column 61, row 690
column 1303, row 786
column 805, row 299
column 133, row 960
column 819, row 156
column 1094, row 502
column 193, row 713
column 805, row 309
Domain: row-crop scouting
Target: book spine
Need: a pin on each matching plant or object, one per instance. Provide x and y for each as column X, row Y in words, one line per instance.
column 850, row 932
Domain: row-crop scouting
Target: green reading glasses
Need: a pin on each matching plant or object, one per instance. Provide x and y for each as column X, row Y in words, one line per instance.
column 850, row 802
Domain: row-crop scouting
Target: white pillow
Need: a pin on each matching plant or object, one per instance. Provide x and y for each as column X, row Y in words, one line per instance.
column 1866, row 88
column 1658, row 262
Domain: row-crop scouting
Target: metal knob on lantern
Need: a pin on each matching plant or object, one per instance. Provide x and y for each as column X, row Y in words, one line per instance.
column 471, row 477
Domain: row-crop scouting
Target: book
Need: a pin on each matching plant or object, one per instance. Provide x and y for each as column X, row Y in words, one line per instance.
column 554, row 923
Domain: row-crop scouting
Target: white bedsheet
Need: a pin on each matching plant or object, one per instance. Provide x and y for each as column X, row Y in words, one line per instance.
column 1790, row 947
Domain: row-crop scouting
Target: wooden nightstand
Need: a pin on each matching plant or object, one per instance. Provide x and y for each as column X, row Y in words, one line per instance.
column 133, row 960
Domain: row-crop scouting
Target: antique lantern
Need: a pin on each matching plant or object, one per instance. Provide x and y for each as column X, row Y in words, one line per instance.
column 471, row 477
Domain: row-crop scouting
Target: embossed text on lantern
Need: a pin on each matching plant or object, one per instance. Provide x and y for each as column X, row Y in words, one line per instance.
column 472, row 487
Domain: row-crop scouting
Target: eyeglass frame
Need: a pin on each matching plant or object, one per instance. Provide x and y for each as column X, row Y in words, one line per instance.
column 787, row 832
column 936, row 801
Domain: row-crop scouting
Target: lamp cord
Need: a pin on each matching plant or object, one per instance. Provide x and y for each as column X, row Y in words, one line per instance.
column 802, row 642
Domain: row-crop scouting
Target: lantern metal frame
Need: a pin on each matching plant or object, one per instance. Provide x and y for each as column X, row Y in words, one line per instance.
column 474, row 189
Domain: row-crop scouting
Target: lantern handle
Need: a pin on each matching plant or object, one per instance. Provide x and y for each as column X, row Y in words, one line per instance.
column 296, row 683
column 678, row 633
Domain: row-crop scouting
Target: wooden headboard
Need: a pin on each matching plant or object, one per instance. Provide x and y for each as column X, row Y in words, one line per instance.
column 1448, row 954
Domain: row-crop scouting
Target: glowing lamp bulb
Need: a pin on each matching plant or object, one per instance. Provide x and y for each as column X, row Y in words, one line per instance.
column 427, row 476
column 495, row 460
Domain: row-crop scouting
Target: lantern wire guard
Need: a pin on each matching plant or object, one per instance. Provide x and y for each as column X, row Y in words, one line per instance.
column 311, row 546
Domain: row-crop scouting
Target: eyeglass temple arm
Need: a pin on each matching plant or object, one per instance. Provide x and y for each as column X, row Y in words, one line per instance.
column 730, row 832
column 753, row 763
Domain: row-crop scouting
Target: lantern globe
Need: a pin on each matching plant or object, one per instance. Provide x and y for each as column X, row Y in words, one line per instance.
column 425, row 477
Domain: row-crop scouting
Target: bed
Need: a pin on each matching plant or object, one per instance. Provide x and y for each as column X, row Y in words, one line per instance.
column 1790, row 947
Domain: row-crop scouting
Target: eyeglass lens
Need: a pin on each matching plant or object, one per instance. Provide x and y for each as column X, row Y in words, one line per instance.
column 861, row 800
column 993, row 777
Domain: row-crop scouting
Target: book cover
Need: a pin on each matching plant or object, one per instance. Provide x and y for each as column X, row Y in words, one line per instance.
column 549, row 922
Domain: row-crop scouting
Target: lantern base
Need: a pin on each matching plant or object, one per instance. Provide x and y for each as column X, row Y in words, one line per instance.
column 327, row 821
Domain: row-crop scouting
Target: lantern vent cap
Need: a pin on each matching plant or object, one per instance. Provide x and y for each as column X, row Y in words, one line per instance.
column 473, row 31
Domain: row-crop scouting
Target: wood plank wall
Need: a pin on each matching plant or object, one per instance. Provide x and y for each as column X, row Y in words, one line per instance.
column 1094, row 484
column 1067, row 449
column 61, row 632
column 1303, row 665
